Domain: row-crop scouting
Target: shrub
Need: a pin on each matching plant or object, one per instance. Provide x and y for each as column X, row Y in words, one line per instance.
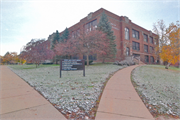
column 124, row 62
column 90, row 61
column 47, row 63
column 29, row 63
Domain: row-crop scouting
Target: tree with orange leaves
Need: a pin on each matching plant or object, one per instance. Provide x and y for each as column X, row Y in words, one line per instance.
column 11, row 58
column 7, row 58
column 1, row 59
column 171, row 51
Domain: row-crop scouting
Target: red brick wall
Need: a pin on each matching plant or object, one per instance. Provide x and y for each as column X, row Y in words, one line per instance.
column 118, row 24
column 141, row 30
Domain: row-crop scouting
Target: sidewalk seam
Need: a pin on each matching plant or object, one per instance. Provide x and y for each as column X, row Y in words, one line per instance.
column 122, row 114
column 120, row 90
column 14, row 88
column 14, row 96
column 124, row 99
column 24, row 109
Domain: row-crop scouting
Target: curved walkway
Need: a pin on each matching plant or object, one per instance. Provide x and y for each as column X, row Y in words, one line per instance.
column 120, row 100
column 19, row 101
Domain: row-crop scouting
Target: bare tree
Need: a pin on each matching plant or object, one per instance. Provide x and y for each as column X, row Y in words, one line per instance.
column 161, row 40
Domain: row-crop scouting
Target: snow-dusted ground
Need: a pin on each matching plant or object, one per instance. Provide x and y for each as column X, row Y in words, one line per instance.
column 159, row 87
column 72, row 93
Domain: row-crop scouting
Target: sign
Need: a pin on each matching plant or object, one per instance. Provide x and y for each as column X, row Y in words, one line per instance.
column 71, row 65
column 114, row 26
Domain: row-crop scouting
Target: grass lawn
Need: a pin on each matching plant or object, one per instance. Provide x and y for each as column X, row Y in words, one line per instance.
column 159, row 88
column 162, row 67
column 72, row 93
column 32, row 66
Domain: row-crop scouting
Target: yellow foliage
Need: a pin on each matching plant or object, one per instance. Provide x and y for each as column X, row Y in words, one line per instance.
column 11, row 58
column 171, row 52
column 23, row 61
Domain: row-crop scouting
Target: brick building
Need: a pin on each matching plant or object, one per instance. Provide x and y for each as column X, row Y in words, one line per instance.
column 131, row 39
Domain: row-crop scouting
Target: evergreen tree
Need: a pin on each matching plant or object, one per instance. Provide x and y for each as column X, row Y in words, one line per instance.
column 7, row 53
column 65, row 35
column 62, row 38
column 104, row 26
column 56, row 39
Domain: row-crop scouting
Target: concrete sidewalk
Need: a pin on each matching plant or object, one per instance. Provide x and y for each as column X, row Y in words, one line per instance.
column 120, row 100
column 21, row 102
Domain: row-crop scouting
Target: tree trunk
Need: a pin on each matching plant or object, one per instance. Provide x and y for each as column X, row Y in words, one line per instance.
column 103, row 60
column 167, row 66
column 56, row 59
column 161, row 62
column 87, row 60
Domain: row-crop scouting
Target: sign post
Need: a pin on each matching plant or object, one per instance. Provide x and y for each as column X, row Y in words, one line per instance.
column 60, row 67
column 71, row 65
column 83, row 67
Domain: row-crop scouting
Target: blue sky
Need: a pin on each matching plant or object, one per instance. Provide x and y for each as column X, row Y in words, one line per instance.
column 23, row 20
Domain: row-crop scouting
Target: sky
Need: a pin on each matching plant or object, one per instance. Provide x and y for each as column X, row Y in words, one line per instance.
column 23, row 20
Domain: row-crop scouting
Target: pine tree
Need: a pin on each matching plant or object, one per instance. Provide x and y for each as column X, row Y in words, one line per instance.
column 56, row 39
column 104, row 26
column 65, row 35
column 62, row 39
column 7, row 53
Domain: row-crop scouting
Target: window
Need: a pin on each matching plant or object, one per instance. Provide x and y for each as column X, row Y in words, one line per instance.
column 151, row 40
column 146, row 58
column 73, row 36
column 152, row 59
column 94, row 24
column 136, row 46
column 84, row 57
column 146, row 48
column 126, row 33
column 127, row 51
column 75, row 33
column 78, row 32
column 136, row 55
column 151, row 49
column 74, row 57
column 91, row 26
column 135, row 34
column 91, row 57
column 145, row 38
column 155, row 41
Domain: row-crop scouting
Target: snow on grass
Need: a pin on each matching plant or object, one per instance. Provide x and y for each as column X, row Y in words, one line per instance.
column 72, row 92
column 159, row 87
